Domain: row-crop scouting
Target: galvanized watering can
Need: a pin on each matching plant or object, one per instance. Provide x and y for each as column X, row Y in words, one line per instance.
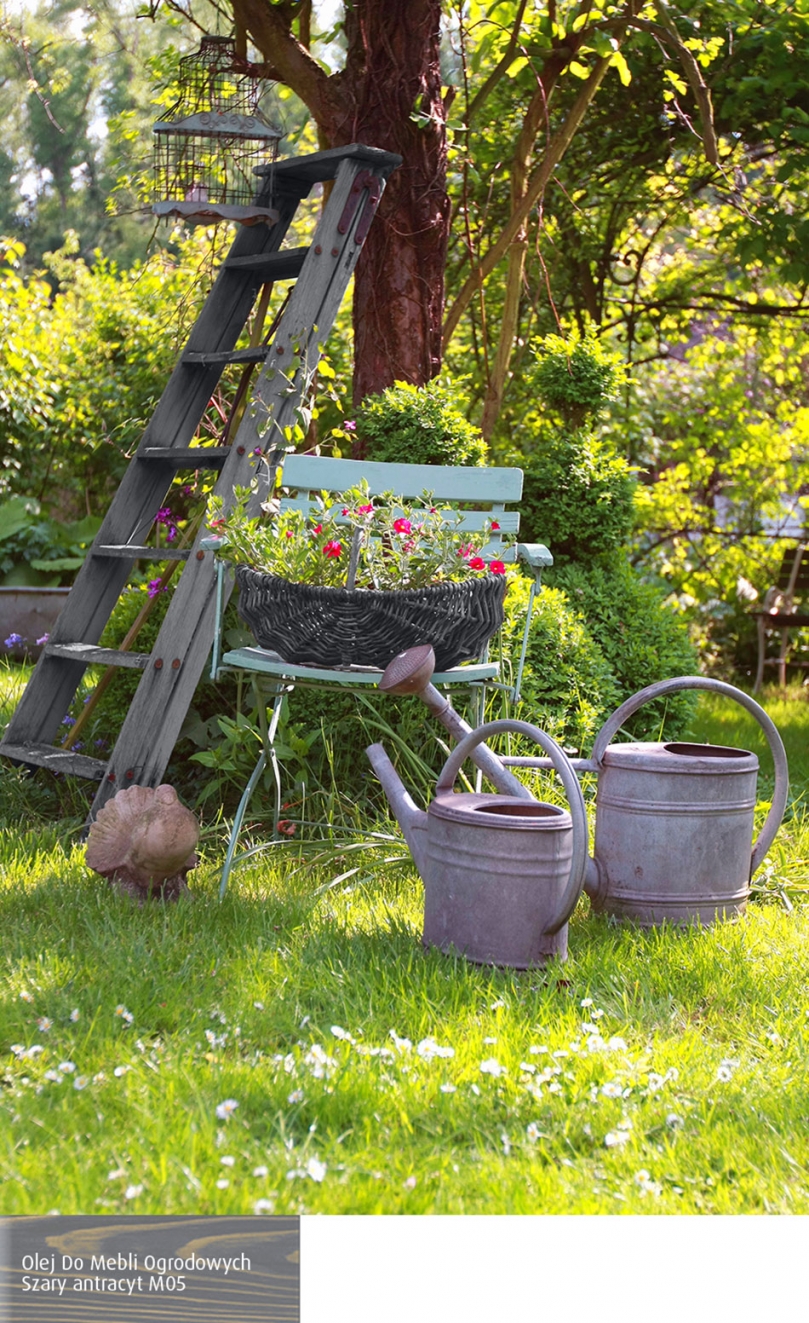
column 502, row 873
column 674, row 821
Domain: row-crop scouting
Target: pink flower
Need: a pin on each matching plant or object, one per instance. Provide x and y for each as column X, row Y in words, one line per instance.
column 402, row 526
column 350, row 426
column 477, row 563
column 497, row 567
column 333, row 550
column 467, row 551
column 289, row 533
column 365, row 509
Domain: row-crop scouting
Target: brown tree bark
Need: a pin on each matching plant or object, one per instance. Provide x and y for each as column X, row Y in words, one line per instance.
column 388, row 96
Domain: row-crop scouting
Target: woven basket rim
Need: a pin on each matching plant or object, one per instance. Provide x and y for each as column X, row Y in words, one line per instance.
column 326, row 591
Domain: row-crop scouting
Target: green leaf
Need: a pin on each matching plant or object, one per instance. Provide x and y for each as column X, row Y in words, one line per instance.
column 516, row 66
column 624, row 72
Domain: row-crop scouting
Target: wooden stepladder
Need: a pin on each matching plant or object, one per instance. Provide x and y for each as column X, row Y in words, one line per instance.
column 172, row 670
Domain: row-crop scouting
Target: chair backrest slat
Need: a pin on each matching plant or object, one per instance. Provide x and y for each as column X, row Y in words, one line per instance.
column 471, row 521
column 307, row 476
column 787, row 574
column 485, row 486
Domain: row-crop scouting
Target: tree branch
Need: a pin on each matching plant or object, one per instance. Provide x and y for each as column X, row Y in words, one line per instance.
column 500, row 68
column 270, row 27
column 536, row 186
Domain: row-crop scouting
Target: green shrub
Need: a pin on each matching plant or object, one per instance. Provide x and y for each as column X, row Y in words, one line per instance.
column 641, row 639
column 418, row 425
column 576, row 377
column 568, row 687
column 578, row 497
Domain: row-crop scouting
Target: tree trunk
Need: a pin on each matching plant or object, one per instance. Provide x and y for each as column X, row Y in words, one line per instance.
column 388, row 96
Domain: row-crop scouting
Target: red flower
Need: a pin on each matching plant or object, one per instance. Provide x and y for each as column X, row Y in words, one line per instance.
column 477, row 563
column 318, row 528
column 287, row 827
column 289, row 533
column 402, row 526
column 346, row 510
column 495, row 526
column 333, row 550
column 216, row 523
column 467, row 551
column 497, row 567
column 365, row 509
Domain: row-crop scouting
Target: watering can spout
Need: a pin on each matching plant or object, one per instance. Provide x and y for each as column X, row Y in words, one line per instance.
column 412, row 820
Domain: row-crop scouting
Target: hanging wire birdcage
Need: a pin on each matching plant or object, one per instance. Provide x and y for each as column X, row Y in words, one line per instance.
column 207, row 145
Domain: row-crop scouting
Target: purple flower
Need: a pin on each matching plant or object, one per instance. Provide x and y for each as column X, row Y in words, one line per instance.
column 13, row 640
column 44, row 639
column 350, row 426
column 68, row 720
column 257, row 451
column 164, row 515
column 155, row 587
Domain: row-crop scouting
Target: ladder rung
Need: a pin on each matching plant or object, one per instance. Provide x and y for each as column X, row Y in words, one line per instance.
column 130, row 552
column 276, row 266
column 256, row 355
column 92, row 655
column 320, row 166
column 187, row 457
column 57, row 760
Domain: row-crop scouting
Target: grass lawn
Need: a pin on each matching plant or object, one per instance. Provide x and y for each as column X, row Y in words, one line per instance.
column 294, row 1048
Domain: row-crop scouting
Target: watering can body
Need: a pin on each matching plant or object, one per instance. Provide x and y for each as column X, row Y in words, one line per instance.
column 502, row 874
column 674, row 822
column 674, row 832
column 497, row 869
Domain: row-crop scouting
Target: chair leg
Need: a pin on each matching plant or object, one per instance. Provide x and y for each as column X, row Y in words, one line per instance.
column 239, row 818
column 273, row 757
column 267, row 753
column 762, row 647
column 782, row 659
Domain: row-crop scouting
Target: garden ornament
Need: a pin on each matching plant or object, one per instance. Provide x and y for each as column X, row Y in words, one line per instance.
column 144, row 840
column 674, row 821
column 502, row 873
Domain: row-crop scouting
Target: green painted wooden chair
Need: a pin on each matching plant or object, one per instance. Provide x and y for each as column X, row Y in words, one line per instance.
column 483, row 494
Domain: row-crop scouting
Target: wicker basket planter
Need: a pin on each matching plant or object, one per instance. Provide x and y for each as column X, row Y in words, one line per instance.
column 362, row 627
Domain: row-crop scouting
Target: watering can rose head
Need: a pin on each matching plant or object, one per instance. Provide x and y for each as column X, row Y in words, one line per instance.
column 391, row 545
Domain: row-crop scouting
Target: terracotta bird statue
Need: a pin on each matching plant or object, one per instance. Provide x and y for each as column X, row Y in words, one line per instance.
column 144, row 841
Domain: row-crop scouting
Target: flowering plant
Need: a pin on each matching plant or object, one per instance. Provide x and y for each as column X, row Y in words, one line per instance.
column 356, row 541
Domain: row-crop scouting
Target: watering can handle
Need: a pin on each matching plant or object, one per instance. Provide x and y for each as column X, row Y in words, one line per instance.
column 779, row 798
column 561, row 763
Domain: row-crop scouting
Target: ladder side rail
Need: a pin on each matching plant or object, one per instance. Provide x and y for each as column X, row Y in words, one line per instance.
column 167, row 686
column 216, row 329
column 143, row 489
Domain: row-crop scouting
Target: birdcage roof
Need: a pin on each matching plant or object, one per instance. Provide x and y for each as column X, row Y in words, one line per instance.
column 219, row 124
